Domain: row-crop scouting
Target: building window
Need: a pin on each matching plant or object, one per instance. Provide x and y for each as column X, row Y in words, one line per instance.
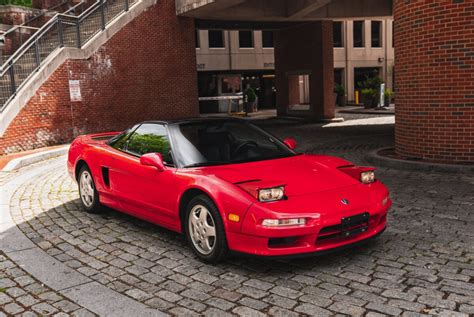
column 197, row 39
column 267, row 39
column 376, row 33
column 216, row 39
column 358, row 30
column 246, row 39
column 337, row 34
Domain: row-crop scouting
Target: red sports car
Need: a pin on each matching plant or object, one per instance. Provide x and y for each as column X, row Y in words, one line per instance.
column 229, row 185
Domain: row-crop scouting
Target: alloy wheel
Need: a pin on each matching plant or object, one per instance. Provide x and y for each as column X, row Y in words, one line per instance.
column 86, row 186
column 202, row 229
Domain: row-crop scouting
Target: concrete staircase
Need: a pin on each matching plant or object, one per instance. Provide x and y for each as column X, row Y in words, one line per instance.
column 63, row 37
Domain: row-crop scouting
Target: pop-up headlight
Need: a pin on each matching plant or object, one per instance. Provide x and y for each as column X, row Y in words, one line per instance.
column 271, row 194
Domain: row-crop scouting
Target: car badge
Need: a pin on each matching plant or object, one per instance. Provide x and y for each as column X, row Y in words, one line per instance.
column 345, row 201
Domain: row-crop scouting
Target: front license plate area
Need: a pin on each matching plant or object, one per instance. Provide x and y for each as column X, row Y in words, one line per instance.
column 355, row 225
column 354, row 232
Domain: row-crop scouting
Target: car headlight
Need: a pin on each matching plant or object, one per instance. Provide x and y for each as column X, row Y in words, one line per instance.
column 284, row 222
column 367, row 177
column 271, row 194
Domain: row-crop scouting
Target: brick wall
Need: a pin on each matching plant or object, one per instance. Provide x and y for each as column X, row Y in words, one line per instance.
column 146, row 71
column 434, row 45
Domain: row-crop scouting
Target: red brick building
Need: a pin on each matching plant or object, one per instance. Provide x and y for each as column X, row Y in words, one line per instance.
column 140, row 74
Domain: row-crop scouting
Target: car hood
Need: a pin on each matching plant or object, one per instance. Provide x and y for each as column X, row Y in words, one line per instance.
column 301, row 175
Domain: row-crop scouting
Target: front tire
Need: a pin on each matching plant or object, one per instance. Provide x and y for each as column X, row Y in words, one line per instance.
column 204, row 229
column 87, row 191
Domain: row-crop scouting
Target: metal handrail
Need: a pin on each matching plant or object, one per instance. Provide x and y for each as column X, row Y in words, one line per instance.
column 28, row 42
column 51, row 36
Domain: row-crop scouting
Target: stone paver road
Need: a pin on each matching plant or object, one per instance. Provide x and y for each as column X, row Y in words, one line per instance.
column 422, row 264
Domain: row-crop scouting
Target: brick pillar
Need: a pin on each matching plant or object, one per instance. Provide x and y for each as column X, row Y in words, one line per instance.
column 306, row 49
column 434, row 77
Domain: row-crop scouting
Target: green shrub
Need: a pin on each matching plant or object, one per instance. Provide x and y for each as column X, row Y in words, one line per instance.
column 371, row 83
column 250, row 95
column 369, row 93
column 339, row 90
column 388, row 93
column 23, row 3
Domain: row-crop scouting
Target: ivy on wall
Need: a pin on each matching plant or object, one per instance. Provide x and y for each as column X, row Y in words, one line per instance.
column 24, row 3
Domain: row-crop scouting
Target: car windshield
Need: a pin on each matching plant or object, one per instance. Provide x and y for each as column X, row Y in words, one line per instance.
column 224, row 142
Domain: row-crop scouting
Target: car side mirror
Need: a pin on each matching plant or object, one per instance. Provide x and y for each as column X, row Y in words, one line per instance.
column 153, row 159
column 290, row 142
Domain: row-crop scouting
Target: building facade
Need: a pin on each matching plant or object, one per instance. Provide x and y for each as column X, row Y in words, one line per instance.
column 246, row 57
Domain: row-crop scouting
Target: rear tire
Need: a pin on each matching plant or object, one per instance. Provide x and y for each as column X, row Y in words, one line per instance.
column 205, row 230
column 88, row 193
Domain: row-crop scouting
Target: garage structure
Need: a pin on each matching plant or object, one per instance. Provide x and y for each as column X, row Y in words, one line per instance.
column 434, row 76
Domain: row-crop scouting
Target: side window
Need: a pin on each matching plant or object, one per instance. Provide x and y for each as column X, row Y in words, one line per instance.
column 151, row 138
column 119, row 141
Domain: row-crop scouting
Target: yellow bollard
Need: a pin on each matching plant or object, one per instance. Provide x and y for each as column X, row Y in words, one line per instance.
column 357, row 97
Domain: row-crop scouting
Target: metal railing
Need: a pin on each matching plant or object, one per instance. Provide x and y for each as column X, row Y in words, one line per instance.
column 17, row 35
column 63, row 30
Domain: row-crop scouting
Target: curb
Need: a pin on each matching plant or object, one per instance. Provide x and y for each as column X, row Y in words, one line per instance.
column 23, row 161
column 376, row 159
column 380, row 112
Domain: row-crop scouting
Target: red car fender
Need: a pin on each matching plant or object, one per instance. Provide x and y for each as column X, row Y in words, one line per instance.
column 228, row 198
column 74, row 156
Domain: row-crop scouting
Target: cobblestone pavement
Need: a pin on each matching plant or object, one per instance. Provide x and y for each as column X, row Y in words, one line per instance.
column 422, row 264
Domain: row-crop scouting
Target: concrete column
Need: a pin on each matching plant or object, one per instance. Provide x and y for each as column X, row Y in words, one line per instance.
column 434, row 78
column 306, row 49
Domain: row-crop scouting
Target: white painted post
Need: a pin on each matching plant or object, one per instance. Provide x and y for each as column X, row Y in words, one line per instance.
column 382, row 93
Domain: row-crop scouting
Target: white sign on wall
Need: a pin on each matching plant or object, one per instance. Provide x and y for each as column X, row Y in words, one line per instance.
column 75, row 90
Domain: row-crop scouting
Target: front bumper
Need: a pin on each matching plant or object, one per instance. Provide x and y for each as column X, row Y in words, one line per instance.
column 317, row 236
column 303, row 255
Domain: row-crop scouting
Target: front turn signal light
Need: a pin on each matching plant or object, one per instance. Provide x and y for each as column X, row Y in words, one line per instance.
column 234, row 217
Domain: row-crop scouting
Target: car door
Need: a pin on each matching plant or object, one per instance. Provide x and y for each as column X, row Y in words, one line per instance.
column 143, row 190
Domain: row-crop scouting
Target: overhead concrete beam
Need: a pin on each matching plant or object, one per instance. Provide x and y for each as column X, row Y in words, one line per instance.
column 301, row 8
column 247, row 9
column 353, row 9
column 204, row 6
column 184, row 6
column 283, row 10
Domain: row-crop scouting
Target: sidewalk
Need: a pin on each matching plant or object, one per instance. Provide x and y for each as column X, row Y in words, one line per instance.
column 13, row 161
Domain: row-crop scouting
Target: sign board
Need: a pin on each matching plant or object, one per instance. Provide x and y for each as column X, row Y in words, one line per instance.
column 75, row 90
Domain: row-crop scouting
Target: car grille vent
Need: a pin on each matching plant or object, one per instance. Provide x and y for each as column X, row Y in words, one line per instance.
column 348, row 227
